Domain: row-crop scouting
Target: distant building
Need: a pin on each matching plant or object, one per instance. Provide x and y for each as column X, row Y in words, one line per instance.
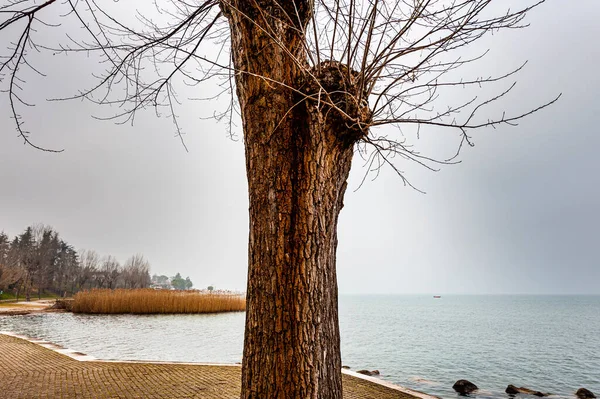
column 161, row 283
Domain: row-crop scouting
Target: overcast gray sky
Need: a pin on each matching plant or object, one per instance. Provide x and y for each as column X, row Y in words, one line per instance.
column 520, row 214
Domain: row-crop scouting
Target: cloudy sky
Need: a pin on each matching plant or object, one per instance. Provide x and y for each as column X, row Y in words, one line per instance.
column 520, row 214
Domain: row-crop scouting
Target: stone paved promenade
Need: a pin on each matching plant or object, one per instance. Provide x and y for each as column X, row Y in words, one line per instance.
column 28, row 370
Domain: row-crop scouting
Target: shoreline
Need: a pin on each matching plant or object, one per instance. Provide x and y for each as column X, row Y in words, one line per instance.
column 22, row 308
column 82, row 357
column 410, row 375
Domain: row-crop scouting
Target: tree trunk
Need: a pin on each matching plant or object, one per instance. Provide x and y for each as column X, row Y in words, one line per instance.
column 297, row 164
column 28, row 280
column 292, row 345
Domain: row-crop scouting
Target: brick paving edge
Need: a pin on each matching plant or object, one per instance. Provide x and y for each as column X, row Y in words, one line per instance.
column 390, row 385
column 82, row 357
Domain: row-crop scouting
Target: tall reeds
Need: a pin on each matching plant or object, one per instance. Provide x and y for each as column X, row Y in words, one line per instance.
column 150, row 301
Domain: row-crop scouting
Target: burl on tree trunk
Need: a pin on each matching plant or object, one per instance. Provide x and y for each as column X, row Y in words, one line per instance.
column 298, row 155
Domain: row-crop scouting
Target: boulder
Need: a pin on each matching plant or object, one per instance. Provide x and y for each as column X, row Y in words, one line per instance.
column 583, row 393
column 367, row 372
column 346, row 367
column 464, row 387
column 513, row 390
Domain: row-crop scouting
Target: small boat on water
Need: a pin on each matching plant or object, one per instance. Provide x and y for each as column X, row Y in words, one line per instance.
column 437, row 296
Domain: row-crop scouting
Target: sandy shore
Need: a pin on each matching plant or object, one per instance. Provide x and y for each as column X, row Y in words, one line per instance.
column 11, row 308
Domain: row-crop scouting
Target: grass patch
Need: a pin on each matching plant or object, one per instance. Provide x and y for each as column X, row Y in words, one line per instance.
column 6, row 295
column 34, row 296
column 150, row 301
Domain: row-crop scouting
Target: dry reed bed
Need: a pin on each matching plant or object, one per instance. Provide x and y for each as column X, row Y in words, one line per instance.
column 150, row 301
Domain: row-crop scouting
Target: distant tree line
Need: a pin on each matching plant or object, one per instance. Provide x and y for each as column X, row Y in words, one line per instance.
column 39, row 261
column 176, row 282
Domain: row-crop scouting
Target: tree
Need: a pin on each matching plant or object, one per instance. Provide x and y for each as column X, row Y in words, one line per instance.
column 313, row 81
column 46, row 254
column 88, row 270
column 110, row 272
column 136, row 272
column 67, row 268
column 26, row 248
column 4, row 248
column 178, row 282
column 5, row 269
column 14, row 274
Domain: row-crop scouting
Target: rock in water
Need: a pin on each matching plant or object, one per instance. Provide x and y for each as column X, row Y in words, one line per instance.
column 367, row 372
column 583, row 393
column 464, row 387
column 513, row 390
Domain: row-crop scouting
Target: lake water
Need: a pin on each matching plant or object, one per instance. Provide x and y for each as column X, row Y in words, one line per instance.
column 547, row 343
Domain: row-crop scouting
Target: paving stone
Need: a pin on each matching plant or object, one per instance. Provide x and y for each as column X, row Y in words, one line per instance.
column 29, row 371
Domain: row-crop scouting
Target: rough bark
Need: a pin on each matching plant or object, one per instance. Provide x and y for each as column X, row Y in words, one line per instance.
column 297, row 161
column 296, row 183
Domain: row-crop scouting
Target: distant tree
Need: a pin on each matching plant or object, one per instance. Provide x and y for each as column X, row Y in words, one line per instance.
column 6, row 269
column 46, row 254
column 210, row 288
column 162, row 279
column 53, row 274
column 26, row 251
column 89, row 265
column 67, row 268
column 136, row 272
column 109, row 272
column 15, row 279
column 4, row 248
column 178, row 282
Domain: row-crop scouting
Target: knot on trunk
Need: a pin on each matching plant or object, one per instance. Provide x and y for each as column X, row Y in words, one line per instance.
column 339, row 94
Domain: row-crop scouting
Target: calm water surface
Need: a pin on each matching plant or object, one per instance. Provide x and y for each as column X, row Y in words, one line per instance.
column 548, row 343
